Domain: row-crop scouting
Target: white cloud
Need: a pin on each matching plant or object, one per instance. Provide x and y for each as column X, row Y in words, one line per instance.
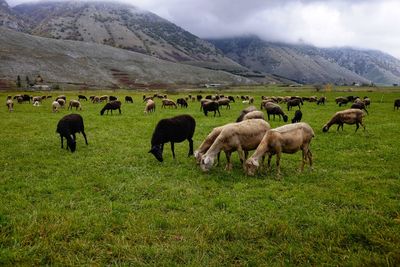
column 368, row 24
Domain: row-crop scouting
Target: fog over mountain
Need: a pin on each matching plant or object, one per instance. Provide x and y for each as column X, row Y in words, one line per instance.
column 370, row 24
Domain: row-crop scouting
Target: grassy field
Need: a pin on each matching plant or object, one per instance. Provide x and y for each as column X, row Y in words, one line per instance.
column 112, row 203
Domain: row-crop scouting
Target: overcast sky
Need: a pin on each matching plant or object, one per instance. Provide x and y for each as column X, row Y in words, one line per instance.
column 370, row 24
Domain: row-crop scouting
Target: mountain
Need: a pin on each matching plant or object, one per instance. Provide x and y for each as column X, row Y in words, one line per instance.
column 8, row 19
column 310, row 64
column 122, row 26
column 374, row 65
column 73, row 62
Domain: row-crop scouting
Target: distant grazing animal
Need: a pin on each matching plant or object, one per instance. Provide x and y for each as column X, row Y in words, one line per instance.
column 244, row 112
column 199, row 97
column 150, row 106
column 367, row 101
column 231, row 98
column 10, row 105
column 288, row 139
column 241, row 137
column 91, row 97
column 113, row 105
column 275, row 109
column 24, row 98
column 61, row 97
column 36, row 103
column 254, row 115
column 74, row 103
column 293, row 103
column 203, row 101
column 396, row 104
column 55, row 106
column 128, row 99
column 297, row 116
column 359, row 105
column 224, row 102
column 67, row 127
column 168, row 102
column 182, row 102
column 147, row 98
column 82, row 97
column 112, row 98
column 37, row 99
column 61, row 101
column 211, row 106
column 341, row 101
column 348, row 116
column 175, row 130
column 321, row 100
column 96, row 99
column 103, row 98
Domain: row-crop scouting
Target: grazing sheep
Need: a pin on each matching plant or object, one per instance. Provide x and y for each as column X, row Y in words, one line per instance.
column 359, row 105
column 82, row 97
column 36, row 103
column 67, row 127
column 275, row 109
column 293, row 103
column 103, row 98
column 241, row 136
column 61, row 101
column 23, row 98
column 297, row 116
column 74, row 103
column 61, row 97
column 174, row 130
column 202, row 101
column 231, row 98
column 254, row 115
column 168, row 102
column 224, row 102
column 207, row 143
column 150, row 106
column 55, row 106
column 321, row 100
column 199, row 97
column 128, row 99
column 113, row 105
column 396, row 104
column 288, row 139
column 244, row 112
column 182, row 102
column 10, row 105
column 37, row 99
column 341, row 100
column 211, row 106
column 348, row 116
column 367, row 101
column 112, row 98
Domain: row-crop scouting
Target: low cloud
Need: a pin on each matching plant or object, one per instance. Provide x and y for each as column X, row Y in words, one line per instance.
column 369, row 24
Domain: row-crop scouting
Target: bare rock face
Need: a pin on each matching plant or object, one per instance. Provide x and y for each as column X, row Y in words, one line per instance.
column 74, row 62
column 121, row 26
column 309, row 64
column 9, row 19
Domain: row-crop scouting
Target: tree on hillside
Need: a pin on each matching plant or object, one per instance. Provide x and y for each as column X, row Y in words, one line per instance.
column 28, row 81
column 18, row 81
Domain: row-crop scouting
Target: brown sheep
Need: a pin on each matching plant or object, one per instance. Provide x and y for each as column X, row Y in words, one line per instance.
column 348, row 116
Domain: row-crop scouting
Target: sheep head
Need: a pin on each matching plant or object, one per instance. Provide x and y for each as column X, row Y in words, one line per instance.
column 71, row 144
column 157, row 151
column 325, row 128
column 206, row 163
column 251, row 166
column 197, row 156
column 285, row 118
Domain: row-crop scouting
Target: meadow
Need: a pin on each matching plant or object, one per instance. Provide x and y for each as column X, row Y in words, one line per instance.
column 113, row 203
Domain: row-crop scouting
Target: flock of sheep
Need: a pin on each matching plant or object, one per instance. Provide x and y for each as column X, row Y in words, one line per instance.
column 250, row 131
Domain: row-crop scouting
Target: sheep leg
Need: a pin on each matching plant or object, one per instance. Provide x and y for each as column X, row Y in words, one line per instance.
column 119, row 110
column 309, row 154
column 278, row 165
column 84, row 136
column 218, row 157
column 62, row 141
column 228, row 166
column 190, row 147
column 219, row 112
column 304, row 158
column 357, row 126
column 173, row 149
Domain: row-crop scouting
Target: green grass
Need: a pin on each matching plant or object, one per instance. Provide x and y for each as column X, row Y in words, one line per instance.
column 112, row 203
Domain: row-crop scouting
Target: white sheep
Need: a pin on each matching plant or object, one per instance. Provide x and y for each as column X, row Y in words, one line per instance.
column 10, row 105
column 55, row 106
column 150, row 106
column 289, row 139
column 242, row 136
column 254, row 115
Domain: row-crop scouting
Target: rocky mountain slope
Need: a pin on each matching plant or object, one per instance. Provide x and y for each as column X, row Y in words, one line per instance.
column 74, row 62
column 121, row 26
column 309, row 64
column 9, row 19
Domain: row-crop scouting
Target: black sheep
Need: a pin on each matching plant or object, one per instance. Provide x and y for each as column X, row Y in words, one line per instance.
column 112, row 98
column 199, row 97
column 128, row 99
column 396, row 104
column 231, row 98
column 82, row 97
column 67, row 127
column 113, row 105
column 294, row 102
column 211, row 106
column 297, row 116
column 175, row 130
column 182, row 102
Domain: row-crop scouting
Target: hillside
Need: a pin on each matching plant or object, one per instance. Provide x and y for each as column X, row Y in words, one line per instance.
column 63, row 61
column 121, row 26
column 9, row 19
